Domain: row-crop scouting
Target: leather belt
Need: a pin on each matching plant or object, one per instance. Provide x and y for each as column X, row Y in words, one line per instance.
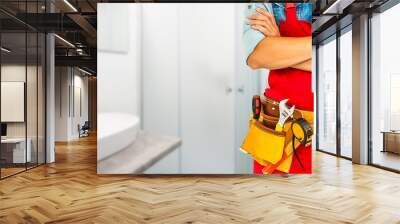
column 271, row 108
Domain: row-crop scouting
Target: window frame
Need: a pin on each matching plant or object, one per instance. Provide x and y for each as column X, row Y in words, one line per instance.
column 334, row 37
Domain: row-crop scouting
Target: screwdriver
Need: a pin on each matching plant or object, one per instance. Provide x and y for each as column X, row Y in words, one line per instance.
column 256, row 106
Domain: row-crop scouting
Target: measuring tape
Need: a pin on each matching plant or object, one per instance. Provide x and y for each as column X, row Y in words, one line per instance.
column 302, row 131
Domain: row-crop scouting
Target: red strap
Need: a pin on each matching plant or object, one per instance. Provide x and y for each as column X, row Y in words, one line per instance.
column 290, row 5
column 290, row 11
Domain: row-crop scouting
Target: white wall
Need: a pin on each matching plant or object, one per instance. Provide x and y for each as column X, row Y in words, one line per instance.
column 67, row 79
column 79, row 117
column 118, row 58
column 62, row 81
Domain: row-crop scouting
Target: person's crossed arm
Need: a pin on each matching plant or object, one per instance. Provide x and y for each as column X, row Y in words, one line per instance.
column 273, row 51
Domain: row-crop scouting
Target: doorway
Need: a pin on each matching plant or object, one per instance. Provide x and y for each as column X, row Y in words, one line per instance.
column 75, row 104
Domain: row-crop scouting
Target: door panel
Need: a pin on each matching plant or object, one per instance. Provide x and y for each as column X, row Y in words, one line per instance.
column 160, row 83
column 207, row 67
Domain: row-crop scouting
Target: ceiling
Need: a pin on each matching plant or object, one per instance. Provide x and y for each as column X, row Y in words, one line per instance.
column 329, row 16
column 75, row 23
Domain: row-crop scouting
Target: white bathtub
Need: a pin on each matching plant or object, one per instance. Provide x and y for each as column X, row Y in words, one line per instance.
column 115, row 131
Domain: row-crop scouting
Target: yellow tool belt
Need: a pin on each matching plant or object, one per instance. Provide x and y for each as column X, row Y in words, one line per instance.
column 270, row 148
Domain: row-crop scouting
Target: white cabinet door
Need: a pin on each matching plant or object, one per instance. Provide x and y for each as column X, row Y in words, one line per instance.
column 207, row 68
column 160, row 78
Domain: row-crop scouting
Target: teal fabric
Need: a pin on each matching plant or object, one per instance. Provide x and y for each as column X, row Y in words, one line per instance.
column 252, row 37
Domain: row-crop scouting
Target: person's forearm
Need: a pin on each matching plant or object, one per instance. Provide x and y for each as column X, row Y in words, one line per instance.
column 280, row 52
column 305, row 66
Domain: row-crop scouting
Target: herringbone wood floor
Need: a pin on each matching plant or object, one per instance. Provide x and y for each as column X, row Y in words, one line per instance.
column 69, row 191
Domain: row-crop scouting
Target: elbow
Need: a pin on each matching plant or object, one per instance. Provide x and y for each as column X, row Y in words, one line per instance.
column 252, row 64
column 255, row 63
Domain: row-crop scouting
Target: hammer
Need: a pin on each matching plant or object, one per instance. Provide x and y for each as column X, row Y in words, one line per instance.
column 284, row 114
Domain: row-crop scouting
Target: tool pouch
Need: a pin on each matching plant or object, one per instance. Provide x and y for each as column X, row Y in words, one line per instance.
column 262, row 141
column 267, row 146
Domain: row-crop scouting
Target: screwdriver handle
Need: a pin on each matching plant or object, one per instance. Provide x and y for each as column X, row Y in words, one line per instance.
column 256, row 106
